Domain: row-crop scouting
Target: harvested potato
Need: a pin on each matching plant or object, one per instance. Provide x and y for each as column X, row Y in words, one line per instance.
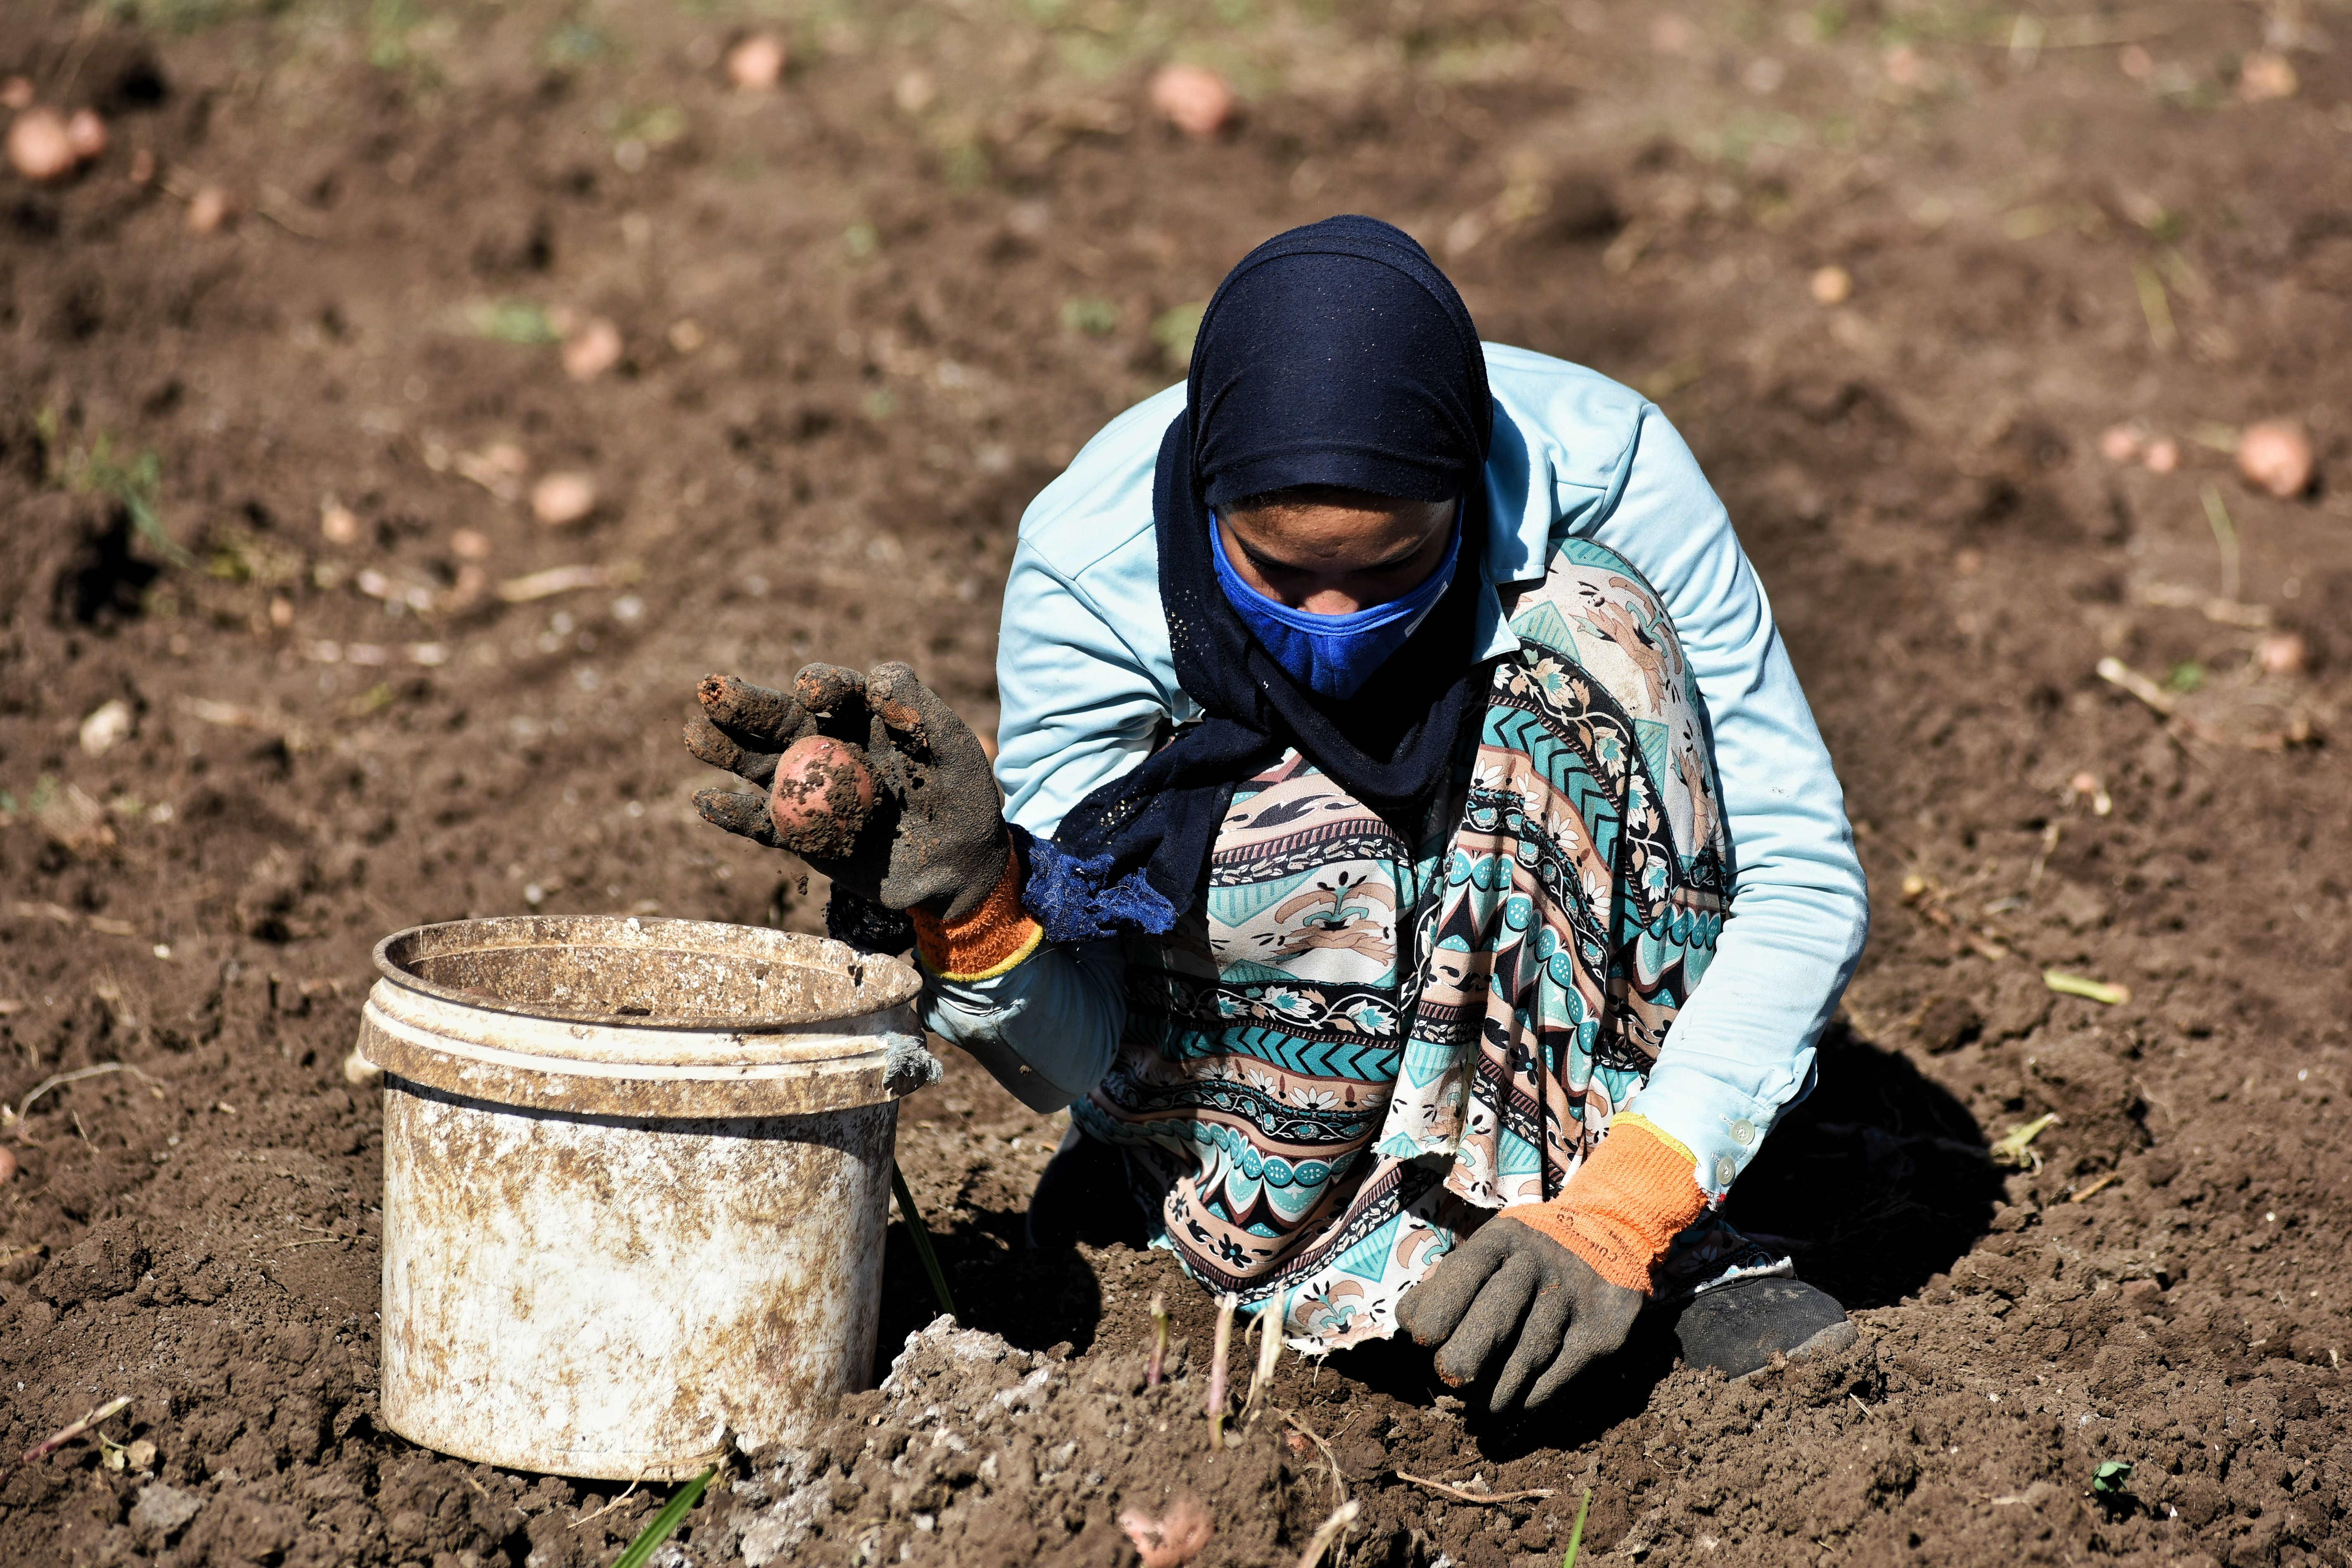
column 1194, row 98
column 40, row 148
column 86, row 134
column 822, row 794
column 560, row 498
column 2284, row 653
column 594, row 348
column 2274, row 454
column 756, row 64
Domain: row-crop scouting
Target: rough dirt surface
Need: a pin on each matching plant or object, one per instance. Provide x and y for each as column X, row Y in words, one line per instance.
column 286, row 662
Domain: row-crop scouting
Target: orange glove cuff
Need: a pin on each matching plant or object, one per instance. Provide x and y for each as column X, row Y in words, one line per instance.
column 986, row 942
column 1625, row 1205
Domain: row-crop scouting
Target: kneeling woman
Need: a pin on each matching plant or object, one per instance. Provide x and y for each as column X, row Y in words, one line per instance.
column 1416, row 866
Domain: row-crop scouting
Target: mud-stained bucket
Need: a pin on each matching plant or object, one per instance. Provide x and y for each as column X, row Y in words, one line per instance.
column 635, row 1179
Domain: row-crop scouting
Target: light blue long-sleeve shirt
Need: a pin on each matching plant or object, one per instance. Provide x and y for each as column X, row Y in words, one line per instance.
column 1086, row 680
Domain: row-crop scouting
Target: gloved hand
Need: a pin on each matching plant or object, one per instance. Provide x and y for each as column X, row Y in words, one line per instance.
column 1560, row 1281
column 1510, row 1286
column 885, row 790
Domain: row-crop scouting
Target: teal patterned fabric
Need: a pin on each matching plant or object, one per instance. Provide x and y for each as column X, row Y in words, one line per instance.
column 1358, row 1048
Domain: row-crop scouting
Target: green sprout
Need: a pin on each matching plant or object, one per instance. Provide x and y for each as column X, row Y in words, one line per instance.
column 1095, row 317
column 922, row 1236
column 2082, row 986
column 662, row 1524
column 1576, row 1536
column 1173, row 329
column 135, row 484
column 2107, row 1482
column 519, row 321
column 2015, row 1148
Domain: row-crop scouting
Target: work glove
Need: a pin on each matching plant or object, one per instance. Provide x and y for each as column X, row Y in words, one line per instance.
column 1559, row 1282
column 891, row 796
column 1511, row 1289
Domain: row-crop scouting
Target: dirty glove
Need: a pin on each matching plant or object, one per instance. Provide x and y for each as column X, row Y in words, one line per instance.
column 1558, row 1283
column 874, row 781
column 1512, row 1288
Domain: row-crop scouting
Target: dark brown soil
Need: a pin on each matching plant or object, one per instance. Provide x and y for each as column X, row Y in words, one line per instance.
column 863, row 320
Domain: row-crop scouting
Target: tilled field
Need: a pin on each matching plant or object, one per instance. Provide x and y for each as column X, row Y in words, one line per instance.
column 355, row 294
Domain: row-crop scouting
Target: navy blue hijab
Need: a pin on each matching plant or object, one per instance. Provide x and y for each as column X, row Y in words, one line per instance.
column 1332, row 354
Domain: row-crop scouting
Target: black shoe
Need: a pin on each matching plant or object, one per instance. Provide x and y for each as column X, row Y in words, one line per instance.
column 1085, row 1194
column 1737, row 1326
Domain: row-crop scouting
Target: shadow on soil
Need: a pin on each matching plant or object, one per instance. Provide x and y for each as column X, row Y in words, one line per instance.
column 1035, row 1299
column 1877, row 1182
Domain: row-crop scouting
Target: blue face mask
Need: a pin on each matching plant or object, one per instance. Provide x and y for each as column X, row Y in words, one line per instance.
column 1333, row 655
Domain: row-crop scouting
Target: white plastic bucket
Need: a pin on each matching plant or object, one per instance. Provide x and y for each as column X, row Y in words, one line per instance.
column 636, row 1174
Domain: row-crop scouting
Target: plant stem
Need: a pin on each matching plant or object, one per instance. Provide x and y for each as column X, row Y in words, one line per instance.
column 1156, row 1368
column 1224, row 1341
column 51, row 1444
column 2225, row 538
column 659, row 1529
column 1576, row 1536
column 921, row 1237
column 1329, row 1530
column 1269, row 1352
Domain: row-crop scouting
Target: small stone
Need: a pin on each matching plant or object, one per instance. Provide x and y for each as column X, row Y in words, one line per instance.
column 160, row 1509
column 339, row 523
column 1833, row 285
column 108, row 725
column 209, row 210
column 2119, row 443
column 915, row 92
column 2162, row 456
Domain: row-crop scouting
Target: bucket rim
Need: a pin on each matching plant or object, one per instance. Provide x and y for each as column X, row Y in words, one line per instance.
column 882, row 980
